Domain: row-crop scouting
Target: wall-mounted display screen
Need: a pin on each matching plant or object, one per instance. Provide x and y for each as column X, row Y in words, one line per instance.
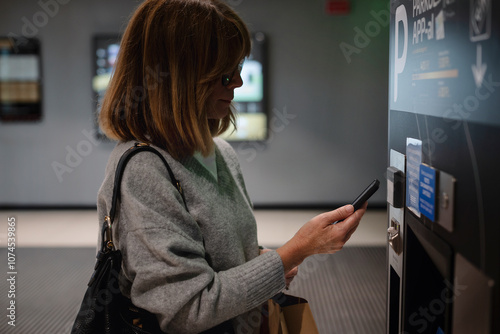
column 249, row 100
column 105, row 52
column 20, row 80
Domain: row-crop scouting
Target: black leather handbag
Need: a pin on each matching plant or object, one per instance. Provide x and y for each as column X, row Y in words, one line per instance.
column 104, row 309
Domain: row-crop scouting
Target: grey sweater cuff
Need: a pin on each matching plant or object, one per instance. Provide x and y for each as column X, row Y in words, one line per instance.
column 266, row 278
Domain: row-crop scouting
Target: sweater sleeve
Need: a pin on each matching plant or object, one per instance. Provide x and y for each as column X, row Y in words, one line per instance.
column 164, row 258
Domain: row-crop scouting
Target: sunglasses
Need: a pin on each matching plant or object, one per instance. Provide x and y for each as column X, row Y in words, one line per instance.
column 227, row 78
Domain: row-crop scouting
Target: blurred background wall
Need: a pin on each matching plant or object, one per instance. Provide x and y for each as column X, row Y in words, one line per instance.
column 327, row 85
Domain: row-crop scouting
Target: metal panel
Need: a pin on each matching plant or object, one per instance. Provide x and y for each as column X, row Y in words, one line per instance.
column 395, row 246
column 446, row 200
column 473, row 292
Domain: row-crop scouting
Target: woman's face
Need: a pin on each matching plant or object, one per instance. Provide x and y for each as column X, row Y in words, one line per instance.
column 221, row 97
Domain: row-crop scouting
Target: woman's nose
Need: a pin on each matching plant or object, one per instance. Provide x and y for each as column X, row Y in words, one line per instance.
column 236, row 81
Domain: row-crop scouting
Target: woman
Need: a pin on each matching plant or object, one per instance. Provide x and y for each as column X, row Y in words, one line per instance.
column 174, row 81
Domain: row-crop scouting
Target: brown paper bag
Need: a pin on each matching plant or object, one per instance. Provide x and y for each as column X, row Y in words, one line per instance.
column 288, row 315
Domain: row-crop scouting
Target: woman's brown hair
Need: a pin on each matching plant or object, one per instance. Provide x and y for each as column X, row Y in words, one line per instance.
column 171, row 55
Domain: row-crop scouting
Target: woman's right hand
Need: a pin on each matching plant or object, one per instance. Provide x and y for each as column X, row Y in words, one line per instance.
column 320, row 236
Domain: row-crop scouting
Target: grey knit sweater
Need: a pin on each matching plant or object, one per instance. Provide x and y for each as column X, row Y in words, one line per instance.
column 192, row 269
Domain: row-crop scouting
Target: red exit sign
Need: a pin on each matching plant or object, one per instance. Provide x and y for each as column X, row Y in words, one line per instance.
column 337, row 7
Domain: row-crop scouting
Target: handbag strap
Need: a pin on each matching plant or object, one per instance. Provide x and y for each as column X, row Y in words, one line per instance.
column 107, row 232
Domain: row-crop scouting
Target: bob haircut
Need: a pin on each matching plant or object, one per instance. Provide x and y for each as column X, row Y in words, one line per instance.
column 172, row 54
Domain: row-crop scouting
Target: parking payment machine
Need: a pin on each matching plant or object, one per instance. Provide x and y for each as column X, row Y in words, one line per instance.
column 443, row 175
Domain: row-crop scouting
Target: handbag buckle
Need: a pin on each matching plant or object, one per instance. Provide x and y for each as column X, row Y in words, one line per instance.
column 109, row 233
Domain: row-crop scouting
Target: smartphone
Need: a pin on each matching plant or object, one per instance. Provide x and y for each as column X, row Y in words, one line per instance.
column 364, row 196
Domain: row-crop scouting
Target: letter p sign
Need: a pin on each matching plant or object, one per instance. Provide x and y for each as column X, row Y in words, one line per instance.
column 400, row 62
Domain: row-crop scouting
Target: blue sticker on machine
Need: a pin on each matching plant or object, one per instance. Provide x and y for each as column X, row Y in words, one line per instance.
column 427, row 191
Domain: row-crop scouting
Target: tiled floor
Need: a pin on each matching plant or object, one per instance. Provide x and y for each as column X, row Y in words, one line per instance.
column 78, row 228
